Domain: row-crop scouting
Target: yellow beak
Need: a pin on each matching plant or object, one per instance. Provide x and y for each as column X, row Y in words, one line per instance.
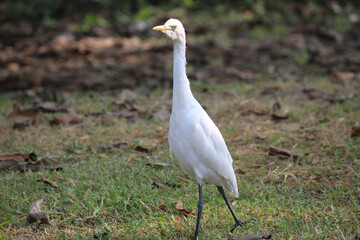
column 162, row 28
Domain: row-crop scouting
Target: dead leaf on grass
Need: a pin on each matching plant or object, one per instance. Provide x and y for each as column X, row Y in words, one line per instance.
column 68, row 119
column 355, row 131
column 275, row 151
column 344, row 77
column 22, row 117
column 35, row 214
column 143, row 149
column 11, row 161
column 36, row 164
column 49, row 182
column 180, row 207
column 39, row 165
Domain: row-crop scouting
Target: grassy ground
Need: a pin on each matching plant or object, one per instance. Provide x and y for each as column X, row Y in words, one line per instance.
column 111, row 194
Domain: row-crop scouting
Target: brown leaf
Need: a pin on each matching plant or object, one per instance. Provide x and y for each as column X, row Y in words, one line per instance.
column 275, row 151
column 35, row 214
column 355, row 131
column 143, row 149
column 158, row 185
column 68, row 119
column 19, row 156
column 11, row 161
column 24, row 117
column 38, row 165
column 49, row 182
column 344, row 77
column 109, row 146
column 180, row 207
column 8, row 164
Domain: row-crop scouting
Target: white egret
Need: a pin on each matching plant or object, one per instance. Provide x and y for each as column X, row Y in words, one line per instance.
column 194, row 139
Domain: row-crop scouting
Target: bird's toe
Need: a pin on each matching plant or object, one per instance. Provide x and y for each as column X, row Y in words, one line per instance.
column 241, row 223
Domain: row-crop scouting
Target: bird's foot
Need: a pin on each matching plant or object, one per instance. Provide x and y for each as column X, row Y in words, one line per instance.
column 238, row 222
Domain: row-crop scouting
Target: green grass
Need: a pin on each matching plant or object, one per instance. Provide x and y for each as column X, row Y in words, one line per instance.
column 111, row 194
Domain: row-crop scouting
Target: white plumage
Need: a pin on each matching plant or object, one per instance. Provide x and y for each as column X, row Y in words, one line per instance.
column 194, row 139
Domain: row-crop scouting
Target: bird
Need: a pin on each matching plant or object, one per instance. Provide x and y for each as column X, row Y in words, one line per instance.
column 193, row 137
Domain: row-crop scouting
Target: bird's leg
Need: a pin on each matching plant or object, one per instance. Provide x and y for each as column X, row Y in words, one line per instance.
column 200, row 206
column 238, row 222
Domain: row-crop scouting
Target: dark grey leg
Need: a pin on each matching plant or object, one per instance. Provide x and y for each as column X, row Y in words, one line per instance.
column 200, row 207
column 238, row 222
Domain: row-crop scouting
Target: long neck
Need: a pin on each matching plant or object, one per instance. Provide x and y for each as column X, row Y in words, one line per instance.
column 181, row 86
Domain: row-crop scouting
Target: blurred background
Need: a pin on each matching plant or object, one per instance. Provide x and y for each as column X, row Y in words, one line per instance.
column 100, row 45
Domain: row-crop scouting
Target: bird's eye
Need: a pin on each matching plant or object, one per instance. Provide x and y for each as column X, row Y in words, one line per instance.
column 174, row 27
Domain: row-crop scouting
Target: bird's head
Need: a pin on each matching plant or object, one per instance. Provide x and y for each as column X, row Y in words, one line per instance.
column 173, row 28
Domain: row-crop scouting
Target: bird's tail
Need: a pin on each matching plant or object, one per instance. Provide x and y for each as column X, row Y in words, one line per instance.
column 231, row 185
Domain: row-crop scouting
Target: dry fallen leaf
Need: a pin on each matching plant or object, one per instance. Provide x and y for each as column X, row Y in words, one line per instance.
column 35, row 214
column 31, row 162
column 344, row 77
column 275, row 151
column 49, row 182
column 23, row 117
column 180, row 207
column 68, row 119
column 143, row 149
column 11, row 161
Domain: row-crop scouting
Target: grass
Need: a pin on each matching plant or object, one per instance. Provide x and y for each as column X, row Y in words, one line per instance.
column 109, row 195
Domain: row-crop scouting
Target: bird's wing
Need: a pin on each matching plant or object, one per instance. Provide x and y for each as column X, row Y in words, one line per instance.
column 212, row 151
